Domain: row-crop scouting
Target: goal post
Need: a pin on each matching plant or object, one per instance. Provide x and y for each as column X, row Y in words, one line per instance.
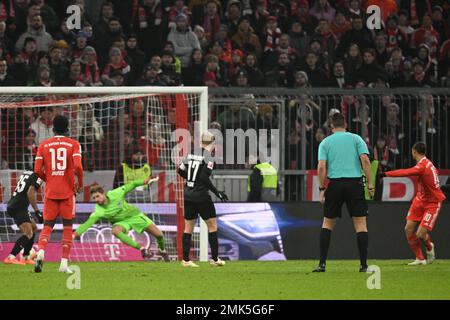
column 93, row 114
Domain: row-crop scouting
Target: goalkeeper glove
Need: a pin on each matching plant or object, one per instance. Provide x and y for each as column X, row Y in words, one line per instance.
column 222, row 196
column 39, row 216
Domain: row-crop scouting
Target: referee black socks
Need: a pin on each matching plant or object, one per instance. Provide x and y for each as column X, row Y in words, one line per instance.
column 186, row 246
column 363, row 243
column 325, row 237
column 214, row 245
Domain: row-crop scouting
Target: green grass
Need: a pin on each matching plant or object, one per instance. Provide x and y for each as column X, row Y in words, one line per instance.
column 237, row 280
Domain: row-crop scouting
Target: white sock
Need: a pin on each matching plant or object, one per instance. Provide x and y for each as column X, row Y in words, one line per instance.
column 64, row 262
column 10, row 256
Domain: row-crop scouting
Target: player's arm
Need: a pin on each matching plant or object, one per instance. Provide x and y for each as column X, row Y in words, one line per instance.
column 414, row 171
column 182, row 170
column 322, row 164
column 204, row 177
column 363, row 153
column 130, row 186
column 78, row 166
column 39, row 163
column 93, row 218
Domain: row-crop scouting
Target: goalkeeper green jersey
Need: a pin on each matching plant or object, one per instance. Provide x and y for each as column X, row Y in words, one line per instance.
column 116, row 209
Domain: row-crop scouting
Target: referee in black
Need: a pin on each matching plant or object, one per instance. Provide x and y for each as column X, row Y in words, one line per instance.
column 341, row 156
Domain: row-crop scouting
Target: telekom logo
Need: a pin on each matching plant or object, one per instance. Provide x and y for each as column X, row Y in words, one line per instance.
column 112, row 251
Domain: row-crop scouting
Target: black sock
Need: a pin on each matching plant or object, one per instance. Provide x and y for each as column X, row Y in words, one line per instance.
column 186, row 246
column 214, row 245
column 20, row 244
column 29, row 245
column 363, row 244
column 325, row 237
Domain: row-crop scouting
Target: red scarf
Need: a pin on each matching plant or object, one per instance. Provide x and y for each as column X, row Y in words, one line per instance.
column 209, row 29
column 88, row 75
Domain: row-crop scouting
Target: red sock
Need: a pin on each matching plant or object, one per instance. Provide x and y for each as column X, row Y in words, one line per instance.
column 66, row 241
column 427, row 241
column 44, row 237
column 414, row 244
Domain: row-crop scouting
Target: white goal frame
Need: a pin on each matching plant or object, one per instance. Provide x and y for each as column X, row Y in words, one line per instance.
column 203, row 116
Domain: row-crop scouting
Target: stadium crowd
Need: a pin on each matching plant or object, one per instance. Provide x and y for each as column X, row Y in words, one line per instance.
column 246, row 43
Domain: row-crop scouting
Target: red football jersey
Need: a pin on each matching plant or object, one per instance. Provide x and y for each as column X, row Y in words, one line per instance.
column 57, row 160
column 428, row 189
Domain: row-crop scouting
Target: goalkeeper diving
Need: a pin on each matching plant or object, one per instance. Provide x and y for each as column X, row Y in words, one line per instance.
column 111, row 206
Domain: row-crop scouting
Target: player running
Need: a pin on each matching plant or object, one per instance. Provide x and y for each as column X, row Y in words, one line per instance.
column 196, row 169
column 24, row 195
column 57, row 160
column 112, row 206
column 426, row 205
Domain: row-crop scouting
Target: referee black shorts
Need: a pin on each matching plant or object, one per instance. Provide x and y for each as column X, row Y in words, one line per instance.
column 19, row 215
column 345, row 190
column 205, row 209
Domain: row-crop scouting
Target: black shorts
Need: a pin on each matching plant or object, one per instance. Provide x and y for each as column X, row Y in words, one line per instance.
column 348, row 191
column 20, row 216
column 205, row 209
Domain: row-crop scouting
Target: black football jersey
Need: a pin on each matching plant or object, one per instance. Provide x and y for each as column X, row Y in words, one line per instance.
column 197, row 168
column 19, row 199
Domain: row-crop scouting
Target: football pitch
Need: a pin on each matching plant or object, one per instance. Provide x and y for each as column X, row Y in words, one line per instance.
column 237, row 280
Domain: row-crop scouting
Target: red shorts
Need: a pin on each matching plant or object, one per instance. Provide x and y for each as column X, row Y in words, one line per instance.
column 424, row 212
column 64, row 208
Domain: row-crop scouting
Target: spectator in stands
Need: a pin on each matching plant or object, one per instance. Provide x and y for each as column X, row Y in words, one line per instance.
column 36, row 30
column 89, row 67
column 327, row 40
column 278, row 9
column 214, row 75
column 193, row 75
column 138, row 118
column 19, row 70
column 340, row 25
column 298, row 39
column 354, row 10
column 266, row 118
column 416, row 10
column 6, row 80
column 153, row 144
column 30, row 52
column 104, row 44
column 29, row 150
column 246, row 39
column 211, row 19
column 271, row 35
column 150, row 77
column 237, row 117
column 169, row 74
column 177, row 9
column 49, row 16
column 358, row 34
column 75, row 77
column 316, row 76
column 439, row 24
column 43, row 125
column 352, row 60
column 393, row 128
column 282, row 75
column 169, row 47
column 200, row 33
column 396, row 37
column 148, row 25
column 5, row 40
column 137, row 56
column 426, row 34
column 419, row 77
column 102, row 26
column 43, row 78
column 58, row 67
column 301, row 80
column 308, row 21
column 431, row 68
column 233, row 15
column 79, row 45
column 255, row 75
column 403, row 23
column 236, row 64
column 241, row 79
column 382, row 54
column 339, row 79
column 116, row 64
column 323, row 10
column 183, row 39
column 370, row 71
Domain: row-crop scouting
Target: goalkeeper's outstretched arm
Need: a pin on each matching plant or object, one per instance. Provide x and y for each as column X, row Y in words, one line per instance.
column 93, row 218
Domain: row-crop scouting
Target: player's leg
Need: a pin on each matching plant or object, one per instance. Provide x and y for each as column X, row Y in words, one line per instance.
column 157, row 233
column 50, row 214
column 22, row 219
column 30, row 231
column 415, row 215
column 120, row 231
column 190, row 217
column 214, row 242
column 208, row 213
column 426, row 226
column 67, row 212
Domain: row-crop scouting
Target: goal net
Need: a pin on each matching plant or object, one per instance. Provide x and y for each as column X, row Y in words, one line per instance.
column 125, row 133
